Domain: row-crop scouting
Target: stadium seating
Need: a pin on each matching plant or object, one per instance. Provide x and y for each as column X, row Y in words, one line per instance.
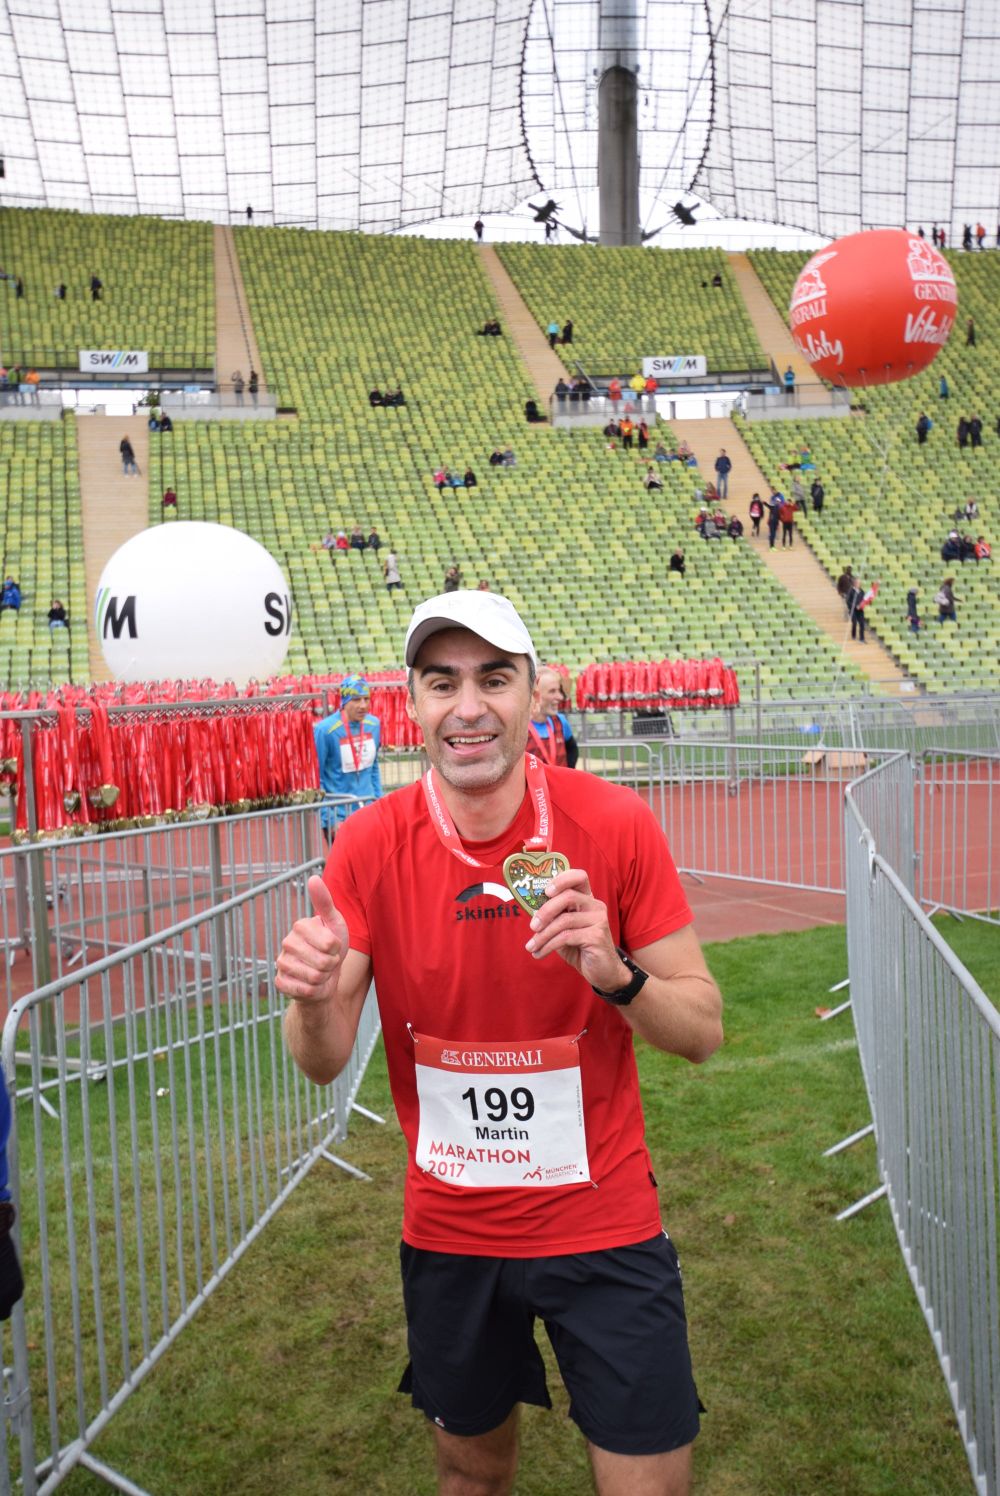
column 569, row 534
column 890, row 502
column 158, row 288
column 42, row 541
column 630, row 304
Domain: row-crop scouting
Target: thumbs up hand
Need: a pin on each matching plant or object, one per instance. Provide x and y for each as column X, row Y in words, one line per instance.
column 312, row 953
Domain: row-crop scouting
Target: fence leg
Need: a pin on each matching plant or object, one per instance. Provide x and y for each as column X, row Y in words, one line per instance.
column 342, row 1163
column 855, row 1137
column 113, row 1478
column 835, row 1012
column 859, row 1205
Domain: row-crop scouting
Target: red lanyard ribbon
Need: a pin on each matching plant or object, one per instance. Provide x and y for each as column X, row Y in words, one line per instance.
column 445, row 826
column 546, row 747
column 355, row 751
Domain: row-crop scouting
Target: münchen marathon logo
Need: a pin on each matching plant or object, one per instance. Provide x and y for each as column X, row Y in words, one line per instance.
column 506, row 908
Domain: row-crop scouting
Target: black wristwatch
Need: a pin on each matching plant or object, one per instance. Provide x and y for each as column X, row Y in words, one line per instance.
column 624, row 995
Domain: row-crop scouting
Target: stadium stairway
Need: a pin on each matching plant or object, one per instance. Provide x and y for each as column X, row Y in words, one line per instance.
column 235, row 342
column 796, row 569
column 113, row 507
column 777, row 341
column 542, row 363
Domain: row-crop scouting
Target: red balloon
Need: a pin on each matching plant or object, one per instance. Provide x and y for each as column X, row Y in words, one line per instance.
column 873, row 308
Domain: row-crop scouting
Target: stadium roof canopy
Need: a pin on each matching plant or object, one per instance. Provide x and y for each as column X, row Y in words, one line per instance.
column 829, row 115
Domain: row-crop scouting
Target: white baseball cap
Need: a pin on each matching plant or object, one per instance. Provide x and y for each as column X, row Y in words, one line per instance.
column 492, row 617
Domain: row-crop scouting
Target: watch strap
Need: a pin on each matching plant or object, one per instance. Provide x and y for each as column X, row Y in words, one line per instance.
column 624, row 995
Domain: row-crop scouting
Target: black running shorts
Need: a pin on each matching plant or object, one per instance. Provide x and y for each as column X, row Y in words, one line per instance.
column 615, row 1320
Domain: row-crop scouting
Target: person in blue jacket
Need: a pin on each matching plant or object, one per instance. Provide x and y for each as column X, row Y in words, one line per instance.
column 11, row 1282
column 347, row 744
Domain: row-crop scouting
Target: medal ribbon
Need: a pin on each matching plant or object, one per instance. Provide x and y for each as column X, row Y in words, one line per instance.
column 546, row 747
column 445, row 826
column 355, row 751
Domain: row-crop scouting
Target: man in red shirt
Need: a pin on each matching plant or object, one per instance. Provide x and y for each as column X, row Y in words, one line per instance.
column 509, row 1041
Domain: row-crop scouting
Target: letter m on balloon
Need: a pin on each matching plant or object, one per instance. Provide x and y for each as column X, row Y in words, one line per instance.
column 111, row 616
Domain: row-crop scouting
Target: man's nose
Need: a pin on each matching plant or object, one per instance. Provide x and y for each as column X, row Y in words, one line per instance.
column 469, row 705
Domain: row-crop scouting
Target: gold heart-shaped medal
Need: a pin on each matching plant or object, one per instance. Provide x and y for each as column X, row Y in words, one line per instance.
column 527, row 873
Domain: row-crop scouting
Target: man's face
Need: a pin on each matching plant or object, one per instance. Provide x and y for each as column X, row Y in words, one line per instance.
column 547, row 697
column 355, row 708
column 472, row 702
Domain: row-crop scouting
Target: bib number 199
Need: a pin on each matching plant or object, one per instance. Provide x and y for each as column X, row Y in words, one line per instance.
column 496, row 1105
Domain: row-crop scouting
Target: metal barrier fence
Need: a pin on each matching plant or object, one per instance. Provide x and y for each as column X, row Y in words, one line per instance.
column 929, row 1043
column 154, row 1137
column 959, row 832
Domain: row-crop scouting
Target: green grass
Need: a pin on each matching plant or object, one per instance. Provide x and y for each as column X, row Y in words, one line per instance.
column 810, row 1352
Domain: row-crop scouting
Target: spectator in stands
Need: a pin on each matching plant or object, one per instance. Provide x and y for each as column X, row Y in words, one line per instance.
column 612, row 430
column 567, row 333
column 970, row 512
column 817, row 493
column 798, row 494
column 390, row 570
column 627, row 429
column 637, row 384
column 5, row 388
column 789, row 382
column 490, row 329
column 153, row 424
column 723, row 467
column 913, row 617
column 10, row 596
column 496, row 458
column 374, row 540
column 651, row 388
column 952, row 548
column 452, row 578
column 614, row 390
column 32, row 380
column 328, row 543
column 166, row 424
column 970, row 335
column 470, row 480
column 552, row 333
column 57, row 615
column 968, row 550
column 508, row 459
column 967, row 236
column 924, row 424
column 774, row 503
column 561, row 393
column 249, row 213
column 652, row 478
column 477, row 229
column 685, row 454
column 238, row 385
column 642, row 436
column 855, row 610
column 341, row 543
column 357, row 541
column 945, row 598
column 169, row 499
column 442, row 478
column 735, row 528
column 984, row 551
column 976, row 431
column 677, row 561
column 375, row 397
column 60, row 292
column 720, row 520
column 253, row 385
column 756, row 513
column 482, row 585
column 717, row 280
column 19, row 288
column 943, row 391
column 96, row 287
column 662, row 455
column 129, row 463
column 532, row 414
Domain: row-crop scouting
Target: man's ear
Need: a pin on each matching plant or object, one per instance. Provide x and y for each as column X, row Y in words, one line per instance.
column 411, row 710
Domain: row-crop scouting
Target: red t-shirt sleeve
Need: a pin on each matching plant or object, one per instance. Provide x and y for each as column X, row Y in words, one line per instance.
column 343, row 875
column 652, row 901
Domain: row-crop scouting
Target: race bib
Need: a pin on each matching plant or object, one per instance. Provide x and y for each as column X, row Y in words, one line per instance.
column 501, row 1115
column 365, row 751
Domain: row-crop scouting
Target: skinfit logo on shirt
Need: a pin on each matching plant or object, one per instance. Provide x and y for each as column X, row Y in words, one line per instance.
column 505, row 908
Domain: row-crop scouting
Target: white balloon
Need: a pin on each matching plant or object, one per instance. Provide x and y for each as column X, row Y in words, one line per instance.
column 193, row 600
